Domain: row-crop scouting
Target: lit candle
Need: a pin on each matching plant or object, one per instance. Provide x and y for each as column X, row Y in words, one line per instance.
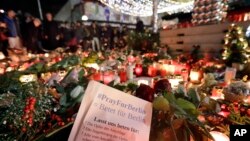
column 179, row 68
column 167, row 69
column 229, row 75
column 139, row 82
column 175, row 81
column 224, row 113
column 218, row 136
column 130, row 71
column 46, row 76
column 248, row 84
column 28, row 78
column 2, row 70
column 217, row 93
column 247, row 100
column 8, row 69
column 195, row 76
column 2, row 56
column 138, row 69
column 97, row 76
column 171, row 69
column 108, row 77
column 184, row 74
column 46, row 55
column 152, row 71
column 163, row 70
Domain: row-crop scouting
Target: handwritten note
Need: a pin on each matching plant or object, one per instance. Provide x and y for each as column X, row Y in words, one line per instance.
column 111, row 115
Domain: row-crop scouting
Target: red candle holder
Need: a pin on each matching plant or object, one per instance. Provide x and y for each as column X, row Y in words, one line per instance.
column 123, row 75
column 152, row 71
column 108, row 76
column 138, row 70
column 97, row 76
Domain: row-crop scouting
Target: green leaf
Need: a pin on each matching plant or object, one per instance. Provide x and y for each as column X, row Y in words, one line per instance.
column 193, row 95
column 132, row 86
column 63, row 100
column 120, row 87
column 59, row 88
column 111, row 84
column 185, row 104
column 170, row 97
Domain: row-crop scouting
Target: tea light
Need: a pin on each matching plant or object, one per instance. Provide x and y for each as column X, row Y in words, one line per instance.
column 218, row 136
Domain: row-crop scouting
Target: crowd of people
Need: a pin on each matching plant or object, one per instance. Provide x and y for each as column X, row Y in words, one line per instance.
column 37, row 36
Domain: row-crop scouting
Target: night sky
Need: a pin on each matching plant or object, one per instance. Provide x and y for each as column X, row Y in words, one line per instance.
column 31, row 5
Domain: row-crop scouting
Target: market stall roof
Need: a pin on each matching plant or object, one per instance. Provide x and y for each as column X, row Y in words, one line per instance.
column 144, row 8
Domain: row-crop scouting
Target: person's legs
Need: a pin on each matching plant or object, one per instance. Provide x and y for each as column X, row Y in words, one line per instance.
column 96, row 40
column 93, row 44
column 12, row 42
column 18, row 43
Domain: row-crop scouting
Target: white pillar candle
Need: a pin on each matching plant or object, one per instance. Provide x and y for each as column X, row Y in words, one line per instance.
column 130, row 72
column 218, row 136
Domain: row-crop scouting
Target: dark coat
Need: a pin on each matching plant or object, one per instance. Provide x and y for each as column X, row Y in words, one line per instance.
column 34, row 37
column 51, row 31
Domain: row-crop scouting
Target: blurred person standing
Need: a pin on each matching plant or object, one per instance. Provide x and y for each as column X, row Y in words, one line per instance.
column 3, row 38
column 139, row 26
column 66, row 33
column 13, row 30
column 79, row 32
column 50, row 33
column 86, row 43
column 95, row 35
column 34, row 36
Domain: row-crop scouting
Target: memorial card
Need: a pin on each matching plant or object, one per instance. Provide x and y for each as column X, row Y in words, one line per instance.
column 107, row 114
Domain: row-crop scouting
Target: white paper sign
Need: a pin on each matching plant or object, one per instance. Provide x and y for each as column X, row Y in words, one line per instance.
column 107, row 114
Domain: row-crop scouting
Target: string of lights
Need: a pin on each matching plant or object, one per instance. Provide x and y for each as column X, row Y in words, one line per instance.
column 143, row 8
